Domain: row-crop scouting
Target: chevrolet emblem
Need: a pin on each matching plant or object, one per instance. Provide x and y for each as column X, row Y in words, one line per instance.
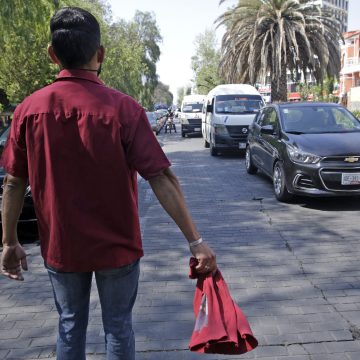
column 351, row 159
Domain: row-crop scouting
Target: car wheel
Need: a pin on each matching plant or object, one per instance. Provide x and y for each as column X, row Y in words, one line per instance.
column 280, row 190
column 206, row 144
column 250, row 167
column 182, row 134
column 213, row 150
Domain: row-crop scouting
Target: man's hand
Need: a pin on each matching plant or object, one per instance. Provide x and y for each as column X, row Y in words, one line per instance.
column 13, row 260
column 206, row 258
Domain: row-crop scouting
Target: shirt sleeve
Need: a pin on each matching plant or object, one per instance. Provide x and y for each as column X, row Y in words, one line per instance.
column 143, row 151
column 14, row 156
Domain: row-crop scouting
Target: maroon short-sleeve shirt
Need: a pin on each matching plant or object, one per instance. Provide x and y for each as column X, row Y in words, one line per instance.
column 81, row 145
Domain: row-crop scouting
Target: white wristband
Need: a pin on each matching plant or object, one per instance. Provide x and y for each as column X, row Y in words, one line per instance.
column 195, row 243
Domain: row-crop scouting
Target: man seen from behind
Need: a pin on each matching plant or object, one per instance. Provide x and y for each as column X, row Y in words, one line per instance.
column 80, row 145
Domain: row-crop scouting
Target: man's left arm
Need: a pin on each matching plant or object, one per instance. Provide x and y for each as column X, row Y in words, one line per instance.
column 13, row 258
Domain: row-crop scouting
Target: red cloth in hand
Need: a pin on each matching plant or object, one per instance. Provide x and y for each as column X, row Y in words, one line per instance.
column 220, row 327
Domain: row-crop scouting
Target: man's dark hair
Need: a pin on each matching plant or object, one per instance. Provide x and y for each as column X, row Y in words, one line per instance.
column 75, row 36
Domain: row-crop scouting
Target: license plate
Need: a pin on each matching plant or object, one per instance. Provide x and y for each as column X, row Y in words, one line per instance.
column 242, row 145
column 197, row 129
column 350, row 179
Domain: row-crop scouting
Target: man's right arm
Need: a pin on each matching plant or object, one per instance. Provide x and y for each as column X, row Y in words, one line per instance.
column 13, row 257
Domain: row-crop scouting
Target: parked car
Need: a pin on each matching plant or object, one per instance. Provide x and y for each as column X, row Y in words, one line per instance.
column 161, row 113
column 162, row 117
column 228, row 111
column 155, row 122
column 3, row 138
column 28, row 215
column 310, row 149
column 152, row 120
column 190, row 114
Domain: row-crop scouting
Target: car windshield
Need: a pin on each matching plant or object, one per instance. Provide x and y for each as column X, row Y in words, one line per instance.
column 192, row 107
column 238, row 104
column 318, row 119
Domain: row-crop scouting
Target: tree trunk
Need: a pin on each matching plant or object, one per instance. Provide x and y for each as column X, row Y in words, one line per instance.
column 279, row 88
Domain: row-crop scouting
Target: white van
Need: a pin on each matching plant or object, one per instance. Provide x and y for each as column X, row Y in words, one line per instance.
column 228, row 111
column 190, row 115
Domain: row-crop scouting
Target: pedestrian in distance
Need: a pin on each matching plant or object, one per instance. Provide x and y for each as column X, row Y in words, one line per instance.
column 170, row 125
column 80, row 145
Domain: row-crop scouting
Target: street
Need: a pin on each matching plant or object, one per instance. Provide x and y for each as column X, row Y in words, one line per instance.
column 292, row 268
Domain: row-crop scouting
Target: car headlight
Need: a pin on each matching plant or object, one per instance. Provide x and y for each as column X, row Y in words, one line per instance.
column 184, row 119
column 302, row 157
column 220, row 129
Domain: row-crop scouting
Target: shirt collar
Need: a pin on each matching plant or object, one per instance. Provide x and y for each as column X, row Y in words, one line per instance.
column 79, row 74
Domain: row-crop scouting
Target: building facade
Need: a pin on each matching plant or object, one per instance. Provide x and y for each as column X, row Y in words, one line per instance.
column 350, row 63
column 339, row 7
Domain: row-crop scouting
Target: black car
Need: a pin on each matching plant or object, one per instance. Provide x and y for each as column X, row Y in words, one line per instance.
column 27, row 215
column 307, row 148
column 157, row 120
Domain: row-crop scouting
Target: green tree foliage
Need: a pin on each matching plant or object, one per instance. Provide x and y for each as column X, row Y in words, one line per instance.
column 320, row 92
column 132, row 48
column 123, row 64
column 324, row 90
column 181, row 92
column 273, row 36
column 205, row 62
column 305, row 90
column 180, row 96
column 24, row 35
column 356, row 113
column 162, row 94
column 148, row 35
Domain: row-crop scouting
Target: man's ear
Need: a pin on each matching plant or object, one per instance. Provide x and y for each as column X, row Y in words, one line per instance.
column 100, row 54
column 52, row 55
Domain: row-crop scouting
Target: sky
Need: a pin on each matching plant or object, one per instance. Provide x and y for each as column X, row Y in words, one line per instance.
column 354, row 19
column 180, row 21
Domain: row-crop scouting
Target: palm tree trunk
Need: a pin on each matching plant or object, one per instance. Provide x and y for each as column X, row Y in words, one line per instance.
column 279, row 88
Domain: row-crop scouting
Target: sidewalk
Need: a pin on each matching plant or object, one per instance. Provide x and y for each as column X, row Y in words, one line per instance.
column 293, row 270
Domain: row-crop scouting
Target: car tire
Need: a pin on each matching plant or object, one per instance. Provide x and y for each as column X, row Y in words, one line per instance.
column 213, row 150
column 182, row 134
column 279, row 183
column 250, row 167
column 206, row 144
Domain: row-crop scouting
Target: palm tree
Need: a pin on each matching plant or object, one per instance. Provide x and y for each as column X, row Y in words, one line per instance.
column 273, row 36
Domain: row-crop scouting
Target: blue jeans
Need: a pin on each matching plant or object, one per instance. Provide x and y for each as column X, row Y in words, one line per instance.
column 117, row 290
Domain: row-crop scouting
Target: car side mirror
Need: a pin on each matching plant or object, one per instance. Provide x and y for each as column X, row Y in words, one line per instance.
column 209, row 108
column 267, row 129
